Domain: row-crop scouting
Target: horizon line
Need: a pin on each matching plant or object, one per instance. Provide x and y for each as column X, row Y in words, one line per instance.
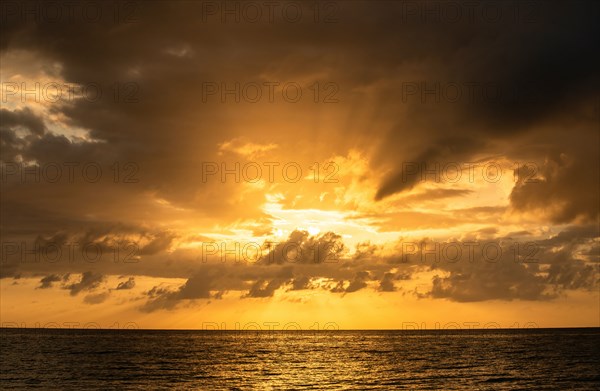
column 307, row 330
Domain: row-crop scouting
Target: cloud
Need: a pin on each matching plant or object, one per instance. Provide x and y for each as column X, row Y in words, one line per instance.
column 89, row 281
column 47, row 281
column 545, row 74
column 129, row 284
column 452, row 150
column 158, row 242
column 197, row 286
column 264, row 288
column 484, row 281
column 359, row 282
column 566, row 188
column 436, row 194
column 387, row 283
column 537, row 270
column 338, row 288
column 302, row 248
column 12, row 143
column 24, row 118
column 301, row 283
column 96, row 298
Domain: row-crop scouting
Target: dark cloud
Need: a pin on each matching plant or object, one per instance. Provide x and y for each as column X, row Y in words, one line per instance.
column 12, row 146
column 566, row 188
column 359, row 282
column 24, row 118
column 483, row 281
column 96, row 298
column 129, row 284
column 377, row 54
column 450, row 150
column 301, row 248
column 387, row 283
column 338, row 288
column 301, row 283
column 101, row 247
column 355, row 284
column 536, row 270
column 88, row 281
column 47, row 281
column 196, row 287
column 548, row 268
column 264, row 288
column 159, row 242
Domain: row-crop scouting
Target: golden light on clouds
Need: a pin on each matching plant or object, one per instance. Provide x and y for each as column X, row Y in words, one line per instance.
column 172, row 173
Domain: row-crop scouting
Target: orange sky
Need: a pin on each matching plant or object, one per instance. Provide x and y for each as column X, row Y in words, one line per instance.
column 177, row 170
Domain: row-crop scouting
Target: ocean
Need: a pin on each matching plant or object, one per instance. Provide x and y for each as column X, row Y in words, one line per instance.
column 552, row 359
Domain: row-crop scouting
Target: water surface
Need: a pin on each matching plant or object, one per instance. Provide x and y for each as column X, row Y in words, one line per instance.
column 300, row 360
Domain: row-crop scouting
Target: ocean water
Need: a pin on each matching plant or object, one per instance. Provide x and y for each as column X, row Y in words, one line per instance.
column 552, row 359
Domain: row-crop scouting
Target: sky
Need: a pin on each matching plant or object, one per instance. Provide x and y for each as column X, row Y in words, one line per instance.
column 300, row 165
